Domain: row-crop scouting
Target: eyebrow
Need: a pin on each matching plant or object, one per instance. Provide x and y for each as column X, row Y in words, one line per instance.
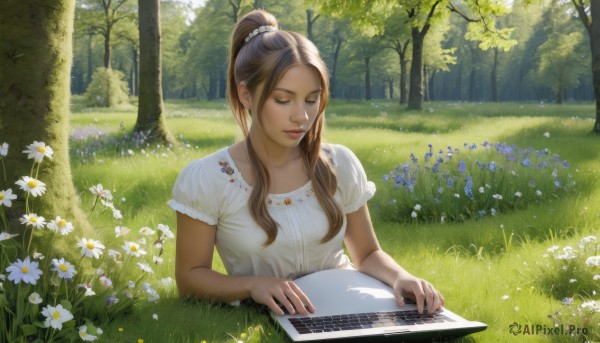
column 294, row 93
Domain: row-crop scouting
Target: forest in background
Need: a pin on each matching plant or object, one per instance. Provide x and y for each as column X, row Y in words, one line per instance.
column 550, row 59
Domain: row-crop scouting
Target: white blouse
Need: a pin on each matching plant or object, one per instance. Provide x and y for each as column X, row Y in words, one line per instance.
column 212, row 190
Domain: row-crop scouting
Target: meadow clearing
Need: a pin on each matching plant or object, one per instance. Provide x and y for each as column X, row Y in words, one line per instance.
column 508, row 266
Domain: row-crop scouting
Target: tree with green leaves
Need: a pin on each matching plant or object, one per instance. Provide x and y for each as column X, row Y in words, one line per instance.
column 587, row 10
column 370, row 17
column 560, row 63
column 151, row 118
column 34, row 88
column 101, row 17
column 397, row 36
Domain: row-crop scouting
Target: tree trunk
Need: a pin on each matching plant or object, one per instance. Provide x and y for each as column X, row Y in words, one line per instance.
column 90, row 68
column 494, row 77
column 431, row 85
column 425, row 84
column 36, row 57
column 403, row 72
column 150, row 118
column 391, row 87
column 136, row 72
column 309, row 25
column 472, row 81
column 336, row 53
column 415, row 95
column 107, row 49
column 595, row 43
column 559, row 96
column 368, row 78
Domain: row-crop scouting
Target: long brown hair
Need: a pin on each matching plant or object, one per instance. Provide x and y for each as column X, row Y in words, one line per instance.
column 264, row 59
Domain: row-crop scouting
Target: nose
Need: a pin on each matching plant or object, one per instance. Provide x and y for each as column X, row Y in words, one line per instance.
column 300, row 114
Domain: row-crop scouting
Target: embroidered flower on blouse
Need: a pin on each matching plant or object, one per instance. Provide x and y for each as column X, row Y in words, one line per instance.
column 225, row 167
column 269, row 202
column 287, row 201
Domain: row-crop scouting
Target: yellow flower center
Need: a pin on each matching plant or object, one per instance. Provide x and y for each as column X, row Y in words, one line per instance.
column 1, row 196
column 133, row 248
column 62, row 223
column 33, row 219
column 24, row 270
column 32, row 184
column 56, row 315
column 63, row 267
column 41, row 149
column 89, row 245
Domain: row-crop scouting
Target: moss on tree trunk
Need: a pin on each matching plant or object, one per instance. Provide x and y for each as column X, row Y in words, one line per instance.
column 35, row 64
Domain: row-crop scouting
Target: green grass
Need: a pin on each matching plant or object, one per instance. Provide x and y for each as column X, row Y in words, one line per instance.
column 474, row 264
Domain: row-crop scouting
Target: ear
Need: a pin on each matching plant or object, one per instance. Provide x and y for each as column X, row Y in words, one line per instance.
column 244, row 94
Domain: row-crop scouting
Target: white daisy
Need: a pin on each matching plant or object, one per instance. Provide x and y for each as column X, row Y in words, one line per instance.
column 5, row 235
column 155, row 316
column 145, row 267
column 37, row 255
column 34, row 298
column 90, row 248
column 64, row 269
column 88, row 289
column 121, row 231
column 146, row 231
column 25, row 270
column 593, row 261
column 86, row 336
column 61, row 225
column 38, row 150
column 100, row 192
column 32, row 186
column 4, row 149
column 132, row 248
column 56, row 316
column 33, row 220
column 166, row 231
column 157, row 259
column 6, row 197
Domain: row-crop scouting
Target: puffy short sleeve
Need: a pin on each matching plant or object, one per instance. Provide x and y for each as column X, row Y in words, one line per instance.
column 193, row 194
column 354, row 187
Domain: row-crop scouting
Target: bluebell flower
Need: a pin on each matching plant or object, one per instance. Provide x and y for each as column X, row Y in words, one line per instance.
column 449, row 182
column 385, row 178
column 437, row 200
column 405, row 167
column 565, row 164
column 491, row 166
column 440, row 160
column 413, row 157
column 436, row 167
column 542, row 165
column 557, row 184
column 482, row 213
column 526, row 163
column 462, row 167
column 440, row 190
column 532, row 184
column 473, row 146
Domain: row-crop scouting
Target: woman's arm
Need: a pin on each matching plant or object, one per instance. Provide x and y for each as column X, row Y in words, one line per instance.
column 195, row 277
column 369, row 258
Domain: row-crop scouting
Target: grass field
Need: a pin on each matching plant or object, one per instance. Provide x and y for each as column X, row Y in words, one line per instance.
column 492, row 269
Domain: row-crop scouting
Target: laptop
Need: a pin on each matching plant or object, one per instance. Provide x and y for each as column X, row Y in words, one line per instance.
column 352, row 306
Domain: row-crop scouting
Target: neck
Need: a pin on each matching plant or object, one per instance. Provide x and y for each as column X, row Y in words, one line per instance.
column 273, row 156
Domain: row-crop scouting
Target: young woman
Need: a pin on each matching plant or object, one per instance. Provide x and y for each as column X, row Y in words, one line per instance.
column 280, row 203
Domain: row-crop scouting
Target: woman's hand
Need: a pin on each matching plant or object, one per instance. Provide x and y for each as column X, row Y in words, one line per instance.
column 272, row 291
column 419, row 291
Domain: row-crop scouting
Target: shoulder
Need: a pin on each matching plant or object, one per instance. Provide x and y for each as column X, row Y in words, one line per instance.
column 208, row 167
column 340, row 156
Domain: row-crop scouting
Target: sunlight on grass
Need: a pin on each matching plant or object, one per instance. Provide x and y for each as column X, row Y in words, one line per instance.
column 488, row 269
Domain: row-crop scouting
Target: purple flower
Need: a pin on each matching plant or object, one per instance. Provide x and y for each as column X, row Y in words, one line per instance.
column 462, row 167
column 491, row 167
column 526, row 163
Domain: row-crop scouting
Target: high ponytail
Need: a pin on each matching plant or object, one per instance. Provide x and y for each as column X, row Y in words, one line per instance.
column 264, row 59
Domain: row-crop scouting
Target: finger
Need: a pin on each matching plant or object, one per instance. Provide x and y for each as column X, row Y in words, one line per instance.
column 419, row 295
column 307, row 306
column 285, row 302
column 399, row 297
column 429, row 296
column 272, row 304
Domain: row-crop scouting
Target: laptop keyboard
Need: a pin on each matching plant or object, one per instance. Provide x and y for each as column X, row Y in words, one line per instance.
column 356, row 321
